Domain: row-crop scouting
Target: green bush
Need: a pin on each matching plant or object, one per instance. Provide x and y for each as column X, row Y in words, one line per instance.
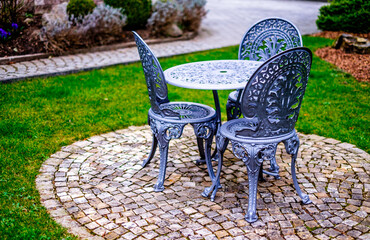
column 137, row 11
column 345, row 15
column 80, row 8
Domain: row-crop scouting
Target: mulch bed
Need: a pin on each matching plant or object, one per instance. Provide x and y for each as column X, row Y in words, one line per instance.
column 335, row 35
column 358, row 65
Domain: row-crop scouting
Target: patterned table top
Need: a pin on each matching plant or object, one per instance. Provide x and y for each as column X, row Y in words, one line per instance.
column 212, row 75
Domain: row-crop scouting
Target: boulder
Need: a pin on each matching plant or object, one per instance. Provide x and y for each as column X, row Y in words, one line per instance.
column 352, row 44
column 173, row 31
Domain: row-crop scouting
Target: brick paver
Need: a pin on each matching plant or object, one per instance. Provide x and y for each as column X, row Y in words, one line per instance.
column 225, row 24
column 97, row 189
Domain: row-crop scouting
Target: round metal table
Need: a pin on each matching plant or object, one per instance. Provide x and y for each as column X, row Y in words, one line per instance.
column 212, row 75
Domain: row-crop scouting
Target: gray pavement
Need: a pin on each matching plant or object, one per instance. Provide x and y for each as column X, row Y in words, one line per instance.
column 97, row 189
column 225, row 24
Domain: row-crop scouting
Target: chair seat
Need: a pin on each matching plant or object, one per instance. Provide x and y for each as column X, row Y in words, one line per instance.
column 230, row 130
column 188, row 112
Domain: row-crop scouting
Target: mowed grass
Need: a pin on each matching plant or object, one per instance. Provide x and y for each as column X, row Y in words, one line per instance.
column 39, row 116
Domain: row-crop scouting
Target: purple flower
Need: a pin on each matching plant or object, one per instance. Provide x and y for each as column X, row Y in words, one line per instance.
column 14, row 25
column 3, row 33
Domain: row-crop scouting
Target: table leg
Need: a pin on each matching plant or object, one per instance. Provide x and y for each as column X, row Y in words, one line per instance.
column 218, row 121
column 217, row 106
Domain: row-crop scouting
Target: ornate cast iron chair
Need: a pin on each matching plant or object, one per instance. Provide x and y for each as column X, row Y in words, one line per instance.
column 167, row 119
column 270, row 105
column 263, row 40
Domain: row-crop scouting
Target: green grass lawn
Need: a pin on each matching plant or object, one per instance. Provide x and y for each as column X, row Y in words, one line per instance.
column 39, row 116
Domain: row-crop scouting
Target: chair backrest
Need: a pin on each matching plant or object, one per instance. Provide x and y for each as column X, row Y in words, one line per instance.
column 267, row 38
column 273, row 96
column 155, row 81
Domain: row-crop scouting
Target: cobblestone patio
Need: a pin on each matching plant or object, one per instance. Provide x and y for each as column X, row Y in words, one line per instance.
column 97, row 189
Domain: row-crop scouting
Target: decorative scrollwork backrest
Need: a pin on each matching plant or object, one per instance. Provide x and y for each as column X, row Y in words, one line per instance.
column 268, row 38
column 155, row 81
column 273, row 96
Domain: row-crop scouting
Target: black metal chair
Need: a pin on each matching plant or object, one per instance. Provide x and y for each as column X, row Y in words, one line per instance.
column 167, row 119
column 263, row 40
column 270, row 105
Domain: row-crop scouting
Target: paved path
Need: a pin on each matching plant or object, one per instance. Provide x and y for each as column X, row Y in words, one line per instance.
column 97, row 189
column 225, row 24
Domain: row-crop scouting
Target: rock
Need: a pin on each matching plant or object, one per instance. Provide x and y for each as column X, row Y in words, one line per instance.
column 173, row 31
column 28, row 21
column 57, row 14
column 352, row 44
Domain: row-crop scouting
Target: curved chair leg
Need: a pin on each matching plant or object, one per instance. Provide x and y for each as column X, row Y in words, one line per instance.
column 158, row 187
column 200, row 143
column 152, row 152
column 253, row 156
column 221, row 147
column 291, row 146
column 164, row 133
column 253, row 161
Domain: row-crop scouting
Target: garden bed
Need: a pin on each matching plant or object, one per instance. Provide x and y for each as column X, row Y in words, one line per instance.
column 103, row 27
column 358, row 65
column 29, row 42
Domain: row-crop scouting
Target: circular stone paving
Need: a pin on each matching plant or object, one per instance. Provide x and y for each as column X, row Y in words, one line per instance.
column 97, row 189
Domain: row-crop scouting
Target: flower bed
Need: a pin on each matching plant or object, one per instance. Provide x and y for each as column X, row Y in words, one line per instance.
column 58, row 33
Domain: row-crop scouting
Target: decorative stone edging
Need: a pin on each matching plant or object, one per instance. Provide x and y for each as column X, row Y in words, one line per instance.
column 97, row 189
column 30, row 57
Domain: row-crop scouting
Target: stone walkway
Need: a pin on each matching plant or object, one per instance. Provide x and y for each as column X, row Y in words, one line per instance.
column 225, row 24
column 97, row 189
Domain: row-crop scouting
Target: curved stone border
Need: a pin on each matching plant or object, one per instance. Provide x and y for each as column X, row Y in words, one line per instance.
column 97, row 189
column 111, row 47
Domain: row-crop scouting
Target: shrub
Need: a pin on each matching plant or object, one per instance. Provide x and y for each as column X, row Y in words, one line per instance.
column 104, row 25
column 137, row 11
column 80, row 8
column 192, row 12
column 187, row 14
column 104, row 20
column 345, row 15
column 164, row 14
